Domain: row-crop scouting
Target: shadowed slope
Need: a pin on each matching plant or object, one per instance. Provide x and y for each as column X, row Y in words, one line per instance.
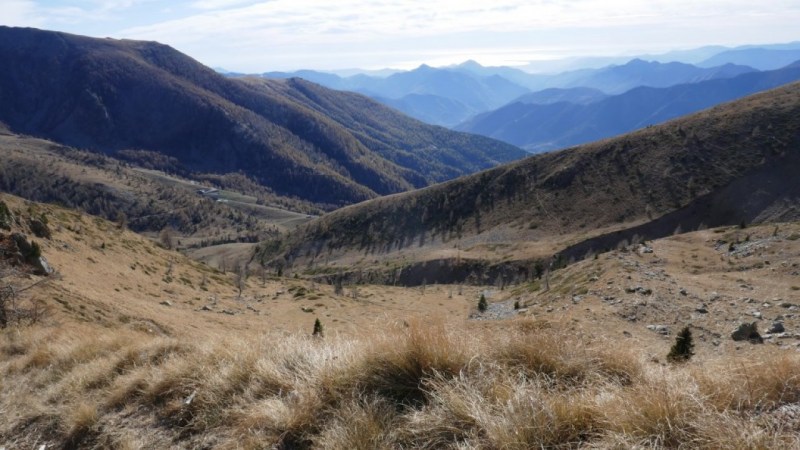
column 109, row 95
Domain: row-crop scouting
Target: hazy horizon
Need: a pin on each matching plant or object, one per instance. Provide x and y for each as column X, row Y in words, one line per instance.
column 282, row 35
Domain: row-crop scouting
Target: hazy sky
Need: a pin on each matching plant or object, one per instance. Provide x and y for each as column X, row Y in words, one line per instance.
column 257, row 36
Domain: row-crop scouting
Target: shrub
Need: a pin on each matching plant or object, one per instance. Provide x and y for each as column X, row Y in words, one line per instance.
column 682, row 349
column 483, row 305
column 317, row 328
column 5, row 216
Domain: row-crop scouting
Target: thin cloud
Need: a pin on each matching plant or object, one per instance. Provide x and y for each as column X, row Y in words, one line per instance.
column 20, row 13
column 253, row 35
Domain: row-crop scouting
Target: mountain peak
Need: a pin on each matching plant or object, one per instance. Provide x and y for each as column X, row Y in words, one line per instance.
column 470, row 64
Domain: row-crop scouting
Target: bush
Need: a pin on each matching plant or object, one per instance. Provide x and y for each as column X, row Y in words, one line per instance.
column 5, row 216
column 483, row 305
column 682, row 349
column 317, row 329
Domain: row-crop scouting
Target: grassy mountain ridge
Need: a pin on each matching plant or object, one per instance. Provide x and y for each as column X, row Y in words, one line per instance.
column 569, row 196
column 111, row 95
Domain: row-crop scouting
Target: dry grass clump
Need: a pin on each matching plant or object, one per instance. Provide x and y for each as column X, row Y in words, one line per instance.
column 751, row 385
column 424, row 385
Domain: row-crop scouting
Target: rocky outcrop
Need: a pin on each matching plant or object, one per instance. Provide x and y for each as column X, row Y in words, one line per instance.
column 747, row 332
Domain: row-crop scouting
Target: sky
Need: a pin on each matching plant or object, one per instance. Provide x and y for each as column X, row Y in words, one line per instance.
column 267, row 35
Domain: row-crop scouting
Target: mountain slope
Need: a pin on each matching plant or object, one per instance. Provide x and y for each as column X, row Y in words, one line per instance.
column 547, row 127
column 671, row 175
column 433, row 109
column 579, row 95
column 110, row 95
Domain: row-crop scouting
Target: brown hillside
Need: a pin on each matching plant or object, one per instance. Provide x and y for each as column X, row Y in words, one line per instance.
column 730, row 164
column 140, row 348
column 111, row 95
column 145, row 200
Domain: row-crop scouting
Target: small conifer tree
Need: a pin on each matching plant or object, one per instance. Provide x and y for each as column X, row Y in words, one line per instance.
column 483, row 305
column 682, row 350
column 317, row 328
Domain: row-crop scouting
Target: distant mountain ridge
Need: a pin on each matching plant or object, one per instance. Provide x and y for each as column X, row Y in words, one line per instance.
column 545, row 127
column 450, row 95
column 109, row 95
column 759, row 58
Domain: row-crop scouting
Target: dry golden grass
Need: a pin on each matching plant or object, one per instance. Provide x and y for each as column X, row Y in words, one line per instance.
column 427, row 384
column 113, row 367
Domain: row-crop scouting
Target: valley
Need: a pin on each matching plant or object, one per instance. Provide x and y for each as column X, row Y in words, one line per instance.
column 197, row 260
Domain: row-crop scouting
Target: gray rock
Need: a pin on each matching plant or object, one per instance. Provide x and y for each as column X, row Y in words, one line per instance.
column 41, row 267
column 747, row 332
column 166, row 303
column 660, row 329
column 702, row 309
column 756, row 314
column 683, row 291
column 777, row 327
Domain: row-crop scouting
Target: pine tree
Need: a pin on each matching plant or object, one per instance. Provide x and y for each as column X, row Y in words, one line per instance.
column 483, row 305
column 682, row 349
column 317, row 329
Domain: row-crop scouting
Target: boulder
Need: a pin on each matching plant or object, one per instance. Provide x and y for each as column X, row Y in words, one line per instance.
column 41, row 266
column 40, row 229
column 747, row 332
column 777, row 327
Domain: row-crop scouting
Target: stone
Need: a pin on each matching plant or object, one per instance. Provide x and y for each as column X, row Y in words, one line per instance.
column 702, row 309
column 660, row 329
column 205, row 308
column 747, row 332
column 683, row 291
column 777, row 327
column 166, row 303
column 42, row 267
column 757, row 314
column 40, row 229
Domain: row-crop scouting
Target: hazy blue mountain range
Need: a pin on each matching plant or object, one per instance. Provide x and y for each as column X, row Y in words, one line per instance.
column 437, row 96
column 540, row 128
column 296, row 138
column 448, row 96
column 759, row 58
